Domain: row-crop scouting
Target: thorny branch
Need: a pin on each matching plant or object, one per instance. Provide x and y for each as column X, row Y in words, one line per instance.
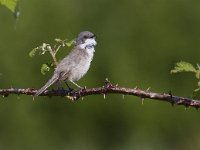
column 108, row 88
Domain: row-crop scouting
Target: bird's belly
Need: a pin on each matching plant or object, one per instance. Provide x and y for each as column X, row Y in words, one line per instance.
column 79, row 70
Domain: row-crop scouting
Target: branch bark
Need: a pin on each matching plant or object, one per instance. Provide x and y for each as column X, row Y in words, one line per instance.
column 108, row 88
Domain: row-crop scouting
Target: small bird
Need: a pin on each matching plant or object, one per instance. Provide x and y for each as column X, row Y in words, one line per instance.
column 76, row 64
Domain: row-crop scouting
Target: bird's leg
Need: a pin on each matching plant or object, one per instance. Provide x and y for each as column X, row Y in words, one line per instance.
column 76, row 84
column 70, row 89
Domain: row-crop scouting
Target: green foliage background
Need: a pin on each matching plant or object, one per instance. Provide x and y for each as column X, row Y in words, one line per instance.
column 139, row 42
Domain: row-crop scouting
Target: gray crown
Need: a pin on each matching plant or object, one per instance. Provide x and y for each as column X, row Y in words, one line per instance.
column 83, row 36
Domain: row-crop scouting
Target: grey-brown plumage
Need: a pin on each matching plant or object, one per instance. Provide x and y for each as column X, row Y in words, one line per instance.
column 76, row 64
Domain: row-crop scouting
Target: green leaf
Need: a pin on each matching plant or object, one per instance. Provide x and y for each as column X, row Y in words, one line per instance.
column 196, row 93
column 65, row 42
column 10, row 4
column 42, row 50
column 45, row 68
column 33, row 52
column 70, row 43
column 183, row 66
column 58, row 40
column 198, row 74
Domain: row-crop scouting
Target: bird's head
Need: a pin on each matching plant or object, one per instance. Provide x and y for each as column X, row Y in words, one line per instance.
column 86, row 40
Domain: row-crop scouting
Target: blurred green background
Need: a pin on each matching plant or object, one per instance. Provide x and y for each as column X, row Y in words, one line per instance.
column 139, row 41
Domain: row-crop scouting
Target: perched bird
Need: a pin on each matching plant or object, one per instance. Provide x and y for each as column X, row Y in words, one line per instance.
column 76, row 64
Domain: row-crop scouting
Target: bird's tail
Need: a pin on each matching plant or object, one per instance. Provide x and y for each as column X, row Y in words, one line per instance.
column 54, row 78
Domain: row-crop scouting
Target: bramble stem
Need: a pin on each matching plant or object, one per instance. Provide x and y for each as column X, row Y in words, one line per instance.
column 108, row 88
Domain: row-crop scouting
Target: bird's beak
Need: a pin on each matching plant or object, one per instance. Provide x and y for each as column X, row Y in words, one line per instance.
column 94, row 36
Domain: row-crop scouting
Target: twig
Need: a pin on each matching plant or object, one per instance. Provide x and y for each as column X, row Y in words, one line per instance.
column 53, row 54
column 108, row 88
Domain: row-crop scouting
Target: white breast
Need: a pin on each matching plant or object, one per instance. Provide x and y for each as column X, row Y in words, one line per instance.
column 84, row 63
column 81, row 69
column 89, row 44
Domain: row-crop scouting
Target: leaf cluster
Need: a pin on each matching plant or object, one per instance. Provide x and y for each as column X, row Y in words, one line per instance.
column 10, row 4
column 183, row 66
column 52, row 50
column 13, row 6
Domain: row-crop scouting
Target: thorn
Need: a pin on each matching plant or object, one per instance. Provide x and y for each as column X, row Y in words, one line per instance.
column 123, row 96
column 82, row 98
column 147, row 90
column 143, row 101
column 104, row 96
column 108, row 83
column 135, row 88
column 71, row 98
column 33, row 98
column 5, row 95
column 84, row 87
column 74, row 98
column 116, row 85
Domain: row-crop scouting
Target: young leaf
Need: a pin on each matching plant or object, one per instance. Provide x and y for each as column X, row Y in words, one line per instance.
column 10, row 4
column 65, row 42
column 45, row 68
column 198, row 74
column 183, row 66
column 70, row 43
column 33, row 52
column 58, row 40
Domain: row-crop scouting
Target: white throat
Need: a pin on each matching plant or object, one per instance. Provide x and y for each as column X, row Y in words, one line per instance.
column 89, row 45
